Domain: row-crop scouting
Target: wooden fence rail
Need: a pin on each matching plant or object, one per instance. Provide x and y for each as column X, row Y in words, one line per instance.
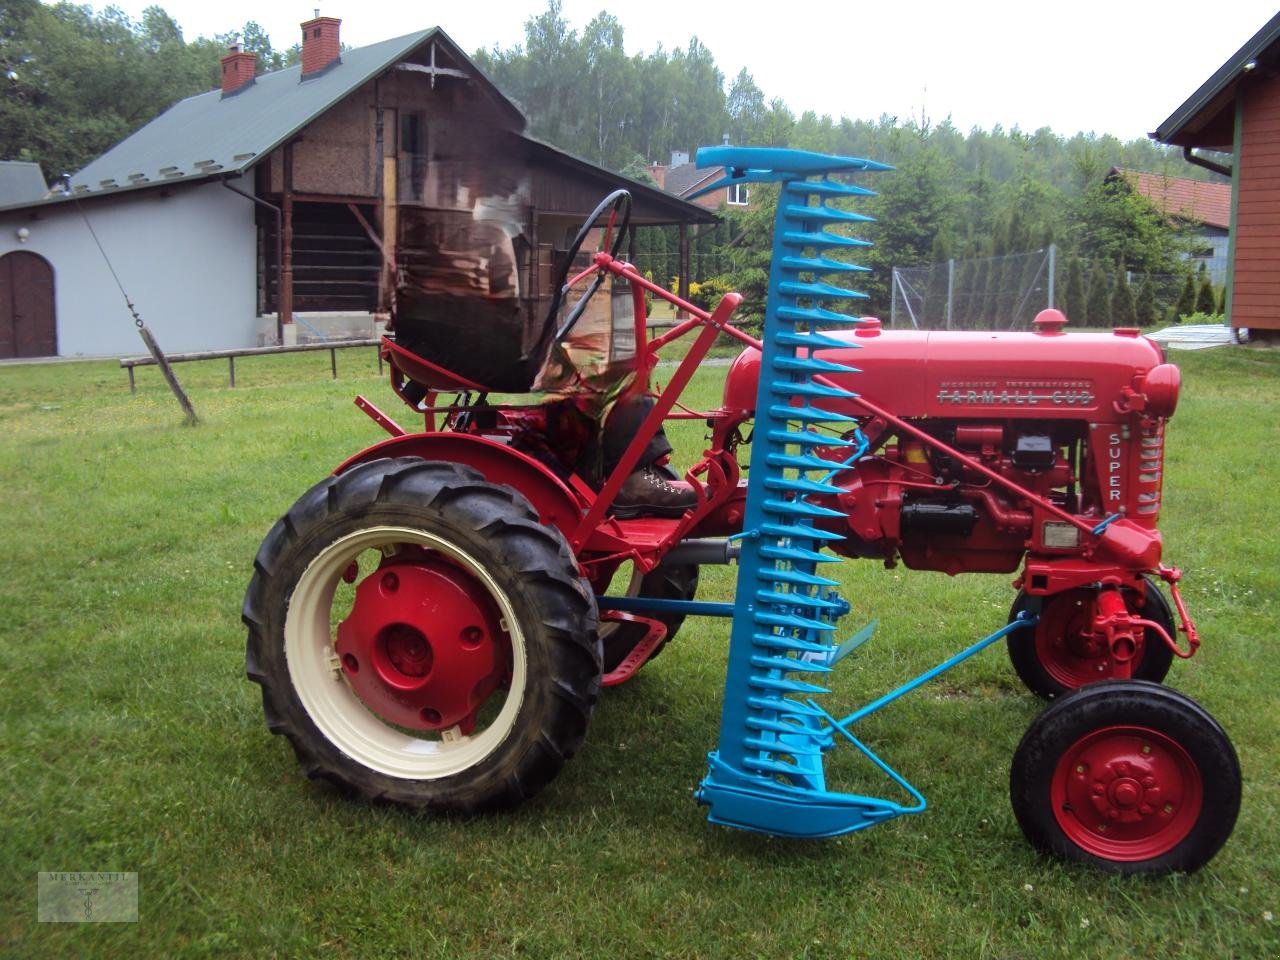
column 129, row 363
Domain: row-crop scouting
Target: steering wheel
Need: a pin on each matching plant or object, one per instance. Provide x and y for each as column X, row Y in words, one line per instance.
column 618, row 207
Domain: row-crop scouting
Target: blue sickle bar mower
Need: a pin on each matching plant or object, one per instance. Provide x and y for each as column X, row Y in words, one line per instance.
column 767, row 771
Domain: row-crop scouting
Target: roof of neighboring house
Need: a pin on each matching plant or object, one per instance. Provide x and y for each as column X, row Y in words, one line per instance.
column 683, row 179
column 20, row 182
column 1207, row 119
column 1200, row 200
column 211, row 135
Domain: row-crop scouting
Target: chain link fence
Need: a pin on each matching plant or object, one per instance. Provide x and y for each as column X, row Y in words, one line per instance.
column 984, row 293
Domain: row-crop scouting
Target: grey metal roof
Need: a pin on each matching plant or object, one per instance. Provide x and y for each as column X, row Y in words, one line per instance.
column 682, row 179
column 1227, row 75
column 211, row 135
column 20, row 182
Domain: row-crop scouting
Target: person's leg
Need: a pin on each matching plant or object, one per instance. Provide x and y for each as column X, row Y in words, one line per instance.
column 646, row 491
column 623, row 423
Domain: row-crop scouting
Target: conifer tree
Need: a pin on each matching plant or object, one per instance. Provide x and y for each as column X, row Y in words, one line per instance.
column 1145, row 306
column 1186, row 304
column 1205, row 300
column 1098, row 307
column 1124, row 311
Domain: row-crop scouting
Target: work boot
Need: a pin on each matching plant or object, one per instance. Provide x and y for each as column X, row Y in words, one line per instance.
column 647, row 493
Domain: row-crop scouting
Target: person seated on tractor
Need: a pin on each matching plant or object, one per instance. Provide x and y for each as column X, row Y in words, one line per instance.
column 594, row 413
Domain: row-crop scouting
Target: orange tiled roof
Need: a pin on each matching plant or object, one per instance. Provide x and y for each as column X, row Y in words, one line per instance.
column 1209, row 203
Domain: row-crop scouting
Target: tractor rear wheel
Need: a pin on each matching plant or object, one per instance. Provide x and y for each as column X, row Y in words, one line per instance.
column 1128, row 776
column 420, row 637
column 1056, row 656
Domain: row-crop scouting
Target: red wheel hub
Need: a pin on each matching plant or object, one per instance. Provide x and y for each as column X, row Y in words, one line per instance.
column 1126, row 793
column 423, row 646
column 1071, row 650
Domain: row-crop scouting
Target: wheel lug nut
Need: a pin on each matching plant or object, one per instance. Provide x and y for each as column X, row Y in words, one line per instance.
column 430, row 716
column 1148, row 782
column 390, row 582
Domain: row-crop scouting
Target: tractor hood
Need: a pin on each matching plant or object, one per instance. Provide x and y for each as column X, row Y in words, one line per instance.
column 917, row 373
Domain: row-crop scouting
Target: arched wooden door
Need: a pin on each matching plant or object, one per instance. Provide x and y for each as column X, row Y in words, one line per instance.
column 27, row 325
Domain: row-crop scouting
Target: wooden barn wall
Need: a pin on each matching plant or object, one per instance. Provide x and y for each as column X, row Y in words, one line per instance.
column 337, row 153
column 1256, row 291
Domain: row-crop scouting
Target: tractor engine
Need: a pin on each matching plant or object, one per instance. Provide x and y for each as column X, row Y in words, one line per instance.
column 1077, row 420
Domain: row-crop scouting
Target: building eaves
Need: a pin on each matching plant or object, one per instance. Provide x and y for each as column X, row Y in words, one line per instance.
column 668, row 208
column 1217, row 91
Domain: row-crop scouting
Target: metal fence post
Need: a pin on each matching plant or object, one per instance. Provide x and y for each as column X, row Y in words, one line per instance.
column 1053, row 256
column 951, row 286
column 893, row 297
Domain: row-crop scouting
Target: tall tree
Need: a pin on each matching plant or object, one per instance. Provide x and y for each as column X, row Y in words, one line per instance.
column 1124, row 312
column 747, row 111
column 1146, row 310
column 1186, row 303
column 1205, row 300
column 1073, row 297
column 1098, row 306
column 609, row 100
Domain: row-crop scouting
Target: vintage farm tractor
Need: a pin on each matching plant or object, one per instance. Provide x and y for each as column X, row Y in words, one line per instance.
column 432, row 624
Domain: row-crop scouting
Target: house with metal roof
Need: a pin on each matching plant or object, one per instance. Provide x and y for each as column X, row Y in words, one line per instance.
column 281, row 207
column 1237, row 110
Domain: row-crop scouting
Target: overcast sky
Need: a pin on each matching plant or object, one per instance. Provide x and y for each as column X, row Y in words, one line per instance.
column 1119, row 66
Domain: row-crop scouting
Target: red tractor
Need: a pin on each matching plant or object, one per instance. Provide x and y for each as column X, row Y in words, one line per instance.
column 432, row 624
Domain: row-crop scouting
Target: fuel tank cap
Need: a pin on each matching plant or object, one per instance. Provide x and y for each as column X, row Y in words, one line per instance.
column 1049, row 323
column 869, row 327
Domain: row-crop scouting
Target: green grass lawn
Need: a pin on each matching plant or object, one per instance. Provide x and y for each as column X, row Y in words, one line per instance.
column 131, row 741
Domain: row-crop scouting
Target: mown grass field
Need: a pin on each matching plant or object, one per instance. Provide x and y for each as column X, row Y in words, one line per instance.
column 131, row 741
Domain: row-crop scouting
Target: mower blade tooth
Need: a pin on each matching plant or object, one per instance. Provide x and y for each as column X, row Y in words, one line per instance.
column 790, row 621
column 773, row 641
column 789, row 665
column 811, row 533
column 827, row 188
column 798, row 508
column 785, row 685
column 823, row 291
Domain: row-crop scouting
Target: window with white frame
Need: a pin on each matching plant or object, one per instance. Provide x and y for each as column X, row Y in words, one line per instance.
column 738, row 195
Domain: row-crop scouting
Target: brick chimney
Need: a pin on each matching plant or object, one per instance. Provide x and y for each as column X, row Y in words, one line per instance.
column 320, row 46
column 237, row 70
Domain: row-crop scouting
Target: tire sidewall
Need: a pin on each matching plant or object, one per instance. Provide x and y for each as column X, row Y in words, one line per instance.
column 1127, row 703
column 506, row 768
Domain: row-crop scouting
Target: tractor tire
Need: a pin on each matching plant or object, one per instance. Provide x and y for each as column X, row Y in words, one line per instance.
column 1051, row 658
column 507, row 649
column 1127, row 776
column 663, row 583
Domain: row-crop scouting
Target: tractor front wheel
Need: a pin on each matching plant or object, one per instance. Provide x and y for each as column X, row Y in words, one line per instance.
column 1060, row 654
column 1128, row 776
column 420, row 637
